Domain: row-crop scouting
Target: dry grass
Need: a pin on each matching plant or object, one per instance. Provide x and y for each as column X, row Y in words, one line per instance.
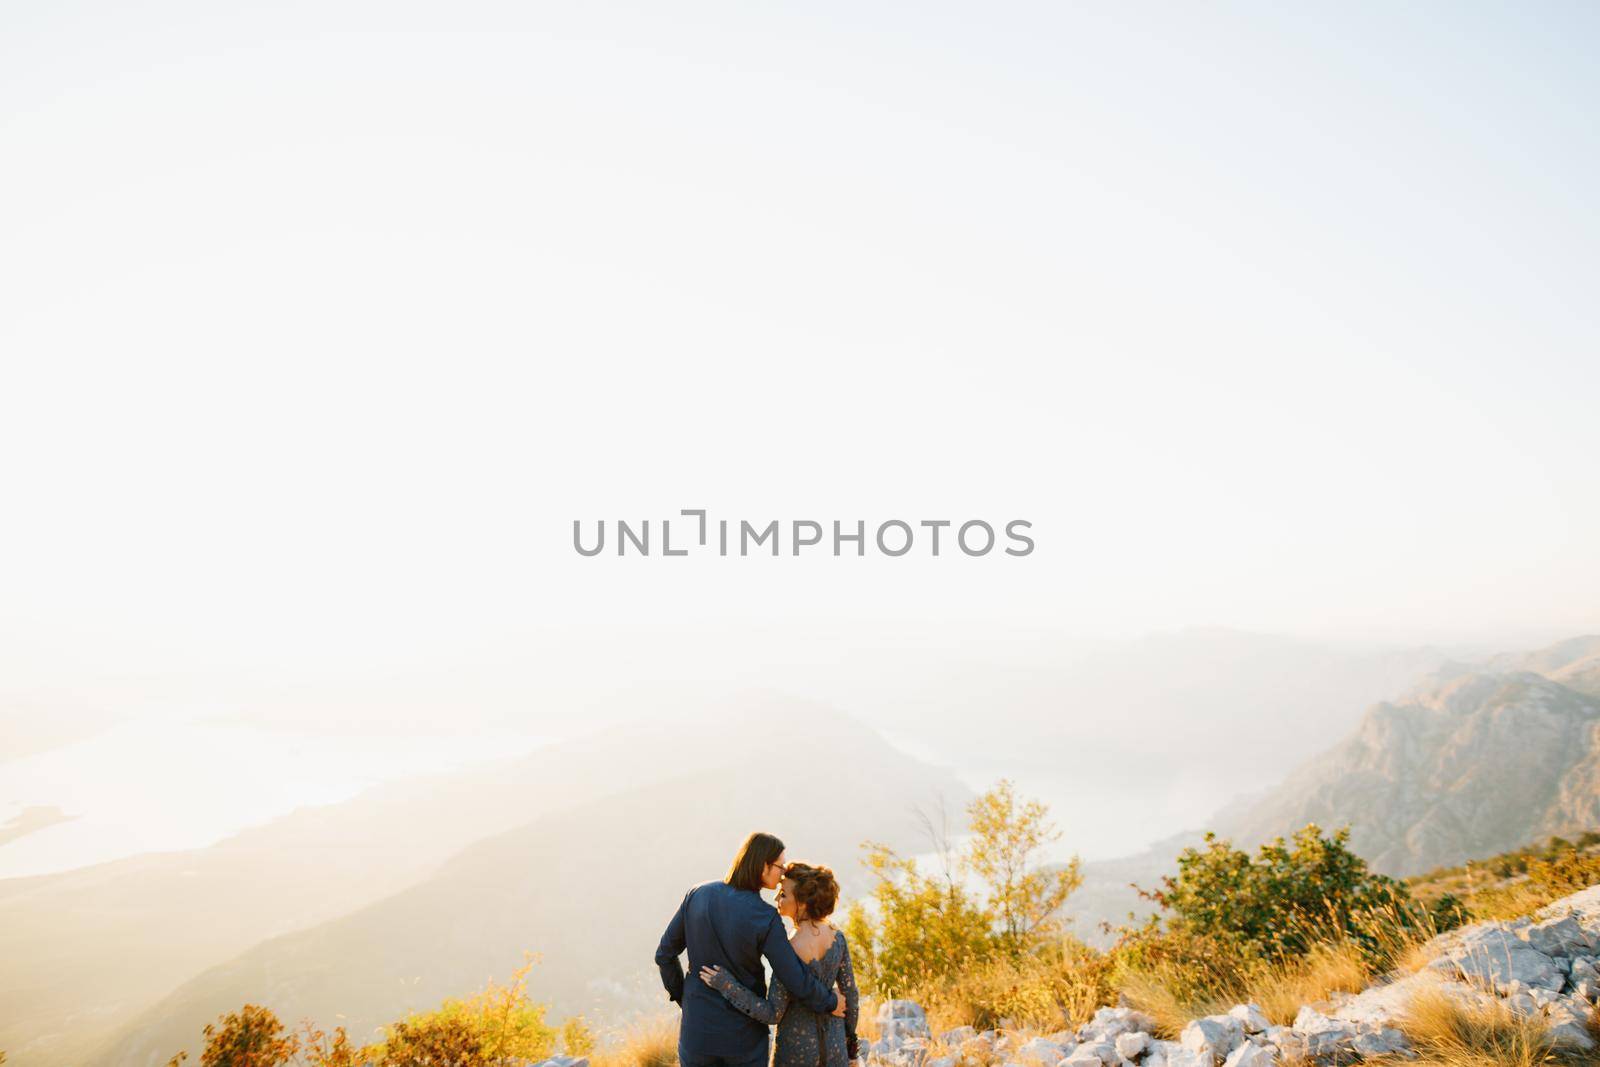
column 1544, row 880
column 973, row 1054
column 648, row 1043
column 1401, row 936
column 1052, row 990
column 1447, row 1033
column 1515, row 899
column 1412, row 958
column 1157, row 992
column 1327, row 969
column 1167, row 994
column 867, row 1028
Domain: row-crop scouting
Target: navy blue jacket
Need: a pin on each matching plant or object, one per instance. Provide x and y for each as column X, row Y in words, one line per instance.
column 730, row 928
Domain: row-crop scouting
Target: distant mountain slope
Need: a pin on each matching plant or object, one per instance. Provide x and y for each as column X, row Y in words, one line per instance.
column 589, row 888
column 1130, row 740
column 85, row 951
column 1468, row 764
column 1574, row 663
column 82, row 951
column 1407, row 777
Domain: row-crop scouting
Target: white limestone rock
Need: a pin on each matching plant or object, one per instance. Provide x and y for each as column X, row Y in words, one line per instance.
column 1325, row 1037
column 1291, row 1044
column 1568, row 1025
column 1371, row 1042
column 1561, row 936
column 909, row 1052
column 1173, row 1054
column 1248, row 1055
column 1493, row 956
column 1104, row 1052
column 1042, row 1051
column 1085, row 1056
column 1383, row 1005
column 901, row 1009
column 1583, row 906
column 900, row 1019
column 1215, row 1036
column 1107, row 1023
column 1251, row 1016
column 1132, row 1045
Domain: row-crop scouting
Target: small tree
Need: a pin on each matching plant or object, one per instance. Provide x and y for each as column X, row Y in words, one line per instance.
column 321, row 1049
column 925, row 930
column 576, row 1038
column 1007, row 839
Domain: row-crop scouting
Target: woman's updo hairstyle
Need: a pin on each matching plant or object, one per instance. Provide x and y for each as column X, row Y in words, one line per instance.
column 815, row 889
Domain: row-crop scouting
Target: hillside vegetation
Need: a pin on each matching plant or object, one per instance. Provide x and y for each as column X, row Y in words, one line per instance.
column 979, row 941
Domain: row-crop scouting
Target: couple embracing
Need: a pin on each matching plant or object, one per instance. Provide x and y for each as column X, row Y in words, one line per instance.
column 727, row 929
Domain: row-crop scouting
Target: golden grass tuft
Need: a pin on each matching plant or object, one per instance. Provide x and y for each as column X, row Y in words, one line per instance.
column 1158, row 992
column 648, row 1043
column 1326, row 969
column 1447, row 1033
column 867, row 1027
column 1168, row 992
column 1058, row 987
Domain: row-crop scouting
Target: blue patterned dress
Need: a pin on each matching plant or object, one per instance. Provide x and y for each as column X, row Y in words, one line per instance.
column 806, row 1039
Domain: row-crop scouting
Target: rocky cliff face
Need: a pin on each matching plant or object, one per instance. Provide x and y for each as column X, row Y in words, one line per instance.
column 1470, row 763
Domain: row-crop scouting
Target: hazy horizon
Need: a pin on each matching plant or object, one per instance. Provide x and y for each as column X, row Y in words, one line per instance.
column 328, row 321
column 126, row 776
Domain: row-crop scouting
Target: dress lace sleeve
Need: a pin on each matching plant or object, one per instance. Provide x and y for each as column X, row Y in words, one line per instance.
column 768, row 1011
column 852, row 996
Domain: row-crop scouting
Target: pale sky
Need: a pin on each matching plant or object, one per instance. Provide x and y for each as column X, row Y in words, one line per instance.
column 323, row 321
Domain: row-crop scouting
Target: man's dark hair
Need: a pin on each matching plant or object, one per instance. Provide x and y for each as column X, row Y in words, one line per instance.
column 757, row 853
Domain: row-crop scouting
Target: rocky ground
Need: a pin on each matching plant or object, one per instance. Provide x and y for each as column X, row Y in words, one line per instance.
column 1545, row 966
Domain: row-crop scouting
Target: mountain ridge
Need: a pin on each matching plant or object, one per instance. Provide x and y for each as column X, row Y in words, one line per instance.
column 1468, row 762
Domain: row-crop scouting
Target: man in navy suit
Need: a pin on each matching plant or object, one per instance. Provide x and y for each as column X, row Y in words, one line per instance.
column 727, row 924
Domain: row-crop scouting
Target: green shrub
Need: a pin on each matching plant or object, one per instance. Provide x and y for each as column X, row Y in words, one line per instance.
column 1290, row 896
